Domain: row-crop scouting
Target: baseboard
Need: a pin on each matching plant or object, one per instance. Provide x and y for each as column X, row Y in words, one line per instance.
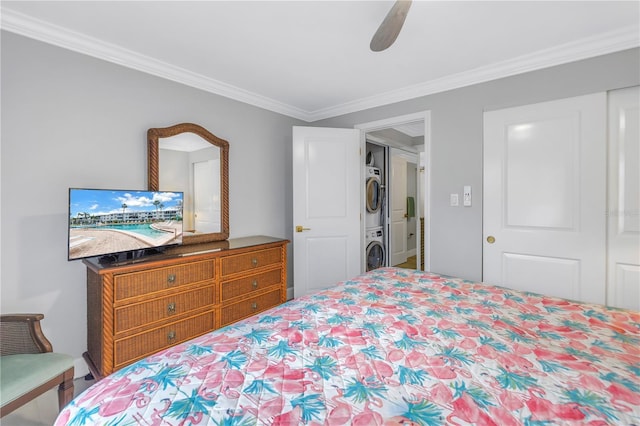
column 80, row 368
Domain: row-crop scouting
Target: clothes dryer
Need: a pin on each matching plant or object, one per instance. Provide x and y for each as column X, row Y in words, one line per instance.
column 375, row 197
column 375, row 250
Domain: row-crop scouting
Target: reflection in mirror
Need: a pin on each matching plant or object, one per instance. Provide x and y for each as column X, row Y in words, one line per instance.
column 188, row 158
column 190, row 164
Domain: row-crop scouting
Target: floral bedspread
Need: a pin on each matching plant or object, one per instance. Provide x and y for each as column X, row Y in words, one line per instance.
column 392, row 346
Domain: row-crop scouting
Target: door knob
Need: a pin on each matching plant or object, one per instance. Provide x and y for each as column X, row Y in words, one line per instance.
column 491, row 239
column 300, row 229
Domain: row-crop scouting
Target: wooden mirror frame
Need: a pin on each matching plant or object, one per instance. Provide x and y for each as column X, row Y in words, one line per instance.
column 153, row 157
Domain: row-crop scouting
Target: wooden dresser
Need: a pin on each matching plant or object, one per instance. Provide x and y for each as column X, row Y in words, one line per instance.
column 136, row 308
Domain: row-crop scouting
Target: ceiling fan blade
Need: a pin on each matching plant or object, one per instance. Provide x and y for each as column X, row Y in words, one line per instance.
column 391, row 26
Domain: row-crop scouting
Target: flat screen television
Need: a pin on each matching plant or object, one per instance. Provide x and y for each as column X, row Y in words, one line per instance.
column 119, row 225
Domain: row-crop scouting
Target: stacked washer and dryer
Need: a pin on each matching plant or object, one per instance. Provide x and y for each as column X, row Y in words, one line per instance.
column 375, row 252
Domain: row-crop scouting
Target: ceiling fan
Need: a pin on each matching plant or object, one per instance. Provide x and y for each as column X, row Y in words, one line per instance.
column 391, row 26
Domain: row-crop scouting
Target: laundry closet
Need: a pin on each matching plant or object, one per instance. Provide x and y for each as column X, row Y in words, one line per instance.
column 376, row 206
column 392, row 211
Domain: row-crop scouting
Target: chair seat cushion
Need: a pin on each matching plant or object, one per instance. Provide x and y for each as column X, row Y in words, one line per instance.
column 21, row 373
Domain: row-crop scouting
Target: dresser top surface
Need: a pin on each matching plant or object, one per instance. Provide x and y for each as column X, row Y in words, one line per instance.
column 184, row 251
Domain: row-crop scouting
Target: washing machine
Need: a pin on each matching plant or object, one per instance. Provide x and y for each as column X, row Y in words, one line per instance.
column 375, row 251
column 374, row 192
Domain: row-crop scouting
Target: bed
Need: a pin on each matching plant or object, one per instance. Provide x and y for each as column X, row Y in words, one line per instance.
column 392, row 346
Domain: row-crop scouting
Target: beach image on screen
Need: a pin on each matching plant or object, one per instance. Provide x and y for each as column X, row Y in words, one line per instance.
column 109, row 221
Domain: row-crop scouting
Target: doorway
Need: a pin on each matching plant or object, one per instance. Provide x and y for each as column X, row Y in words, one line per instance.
column 401, row 147
column 405, row 210
column 328, row 208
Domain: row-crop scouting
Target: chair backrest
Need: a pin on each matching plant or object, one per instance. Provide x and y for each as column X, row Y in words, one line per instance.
column 28, row 366
column 21, row 334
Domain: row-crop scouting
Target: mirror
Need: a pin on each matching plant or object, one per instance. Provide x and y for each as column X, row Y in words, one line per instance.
column 188, row 158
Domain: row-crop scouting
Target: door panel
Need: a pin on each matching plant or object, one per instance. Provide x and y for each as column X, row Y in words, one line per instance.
column 561, row 279
column 624, row 189
column 541, row 189
column 332, row 251
column 544, row 198
column 326, row 204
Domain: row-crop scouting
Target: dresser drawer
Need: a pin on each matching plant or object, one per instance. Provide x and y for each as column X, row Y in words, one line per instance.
column 145, row 282
column 140, row 314
column 248, row 307
column 135, row 347
column 248, row 285
column 249, row 261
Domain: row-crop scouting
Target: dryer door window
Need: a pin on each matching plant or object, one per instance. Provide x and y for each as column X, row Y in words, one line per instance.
column 373, row 195
column 375, row 256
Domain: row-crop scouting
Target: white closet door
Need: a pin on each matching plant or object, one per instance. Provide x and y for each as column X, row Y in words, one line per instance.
column 545, row 198
column 398, row 193
column 623, row 270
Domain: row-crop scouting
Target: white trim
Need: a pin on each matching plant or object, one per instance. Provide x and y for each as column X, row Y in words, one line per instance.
column 393, row 144
column 375, row 139
column 58, row 36
column 410, row 156
column 613, row 41
column 427, row 188
column 424, row 116
column 80, row 368
column 385, row 123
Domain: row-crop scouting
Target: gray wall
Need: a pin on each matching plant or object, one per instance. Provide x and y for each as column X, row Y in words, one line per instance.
column 69, row 120
column 456, row 142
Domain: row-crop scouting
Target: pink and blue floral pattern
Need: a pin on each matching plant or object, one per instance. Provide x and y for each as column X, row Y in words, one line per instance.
column 392, row 346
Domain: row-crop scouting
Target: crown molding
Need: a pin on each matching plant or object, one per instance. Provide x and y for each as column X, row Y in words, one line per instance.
column 614, row 41
column 27, row 26
column 621, row 39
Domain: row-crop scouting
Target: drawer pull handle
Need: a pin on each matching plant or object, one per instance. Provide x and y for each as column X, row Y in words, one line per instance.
column 254, row 306
column 171, row 308
column 254, row 262
column 254, row 284
column 171, row 279
column 171, row 336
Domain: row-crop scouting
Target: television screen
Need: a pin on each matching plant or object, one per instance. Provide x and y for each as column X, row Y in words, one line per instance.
column 110, row 222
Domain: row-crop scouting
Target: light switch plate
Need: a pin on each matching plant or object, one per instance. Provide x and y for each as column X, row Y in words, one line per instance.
column 453, row 200
column 466, row 196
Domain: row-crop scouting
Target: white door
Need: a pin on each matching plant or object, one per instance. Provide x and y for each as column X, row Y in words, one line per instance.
column 545, row 198
column 623, row 280
column 207, row 212
column 327, row 198
column 398, row 210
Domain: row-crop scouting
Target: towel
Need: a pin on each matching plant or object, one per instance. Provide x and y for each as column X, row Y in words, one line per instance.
column 411, row 207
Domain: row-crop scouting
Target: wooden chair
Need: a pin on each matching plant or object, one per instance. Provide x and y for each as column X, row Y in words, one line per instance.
column 28, row 365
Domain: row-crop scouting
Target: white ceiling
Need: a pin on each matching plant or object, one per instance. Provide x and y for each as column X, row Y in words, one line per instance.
column 311, row 59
